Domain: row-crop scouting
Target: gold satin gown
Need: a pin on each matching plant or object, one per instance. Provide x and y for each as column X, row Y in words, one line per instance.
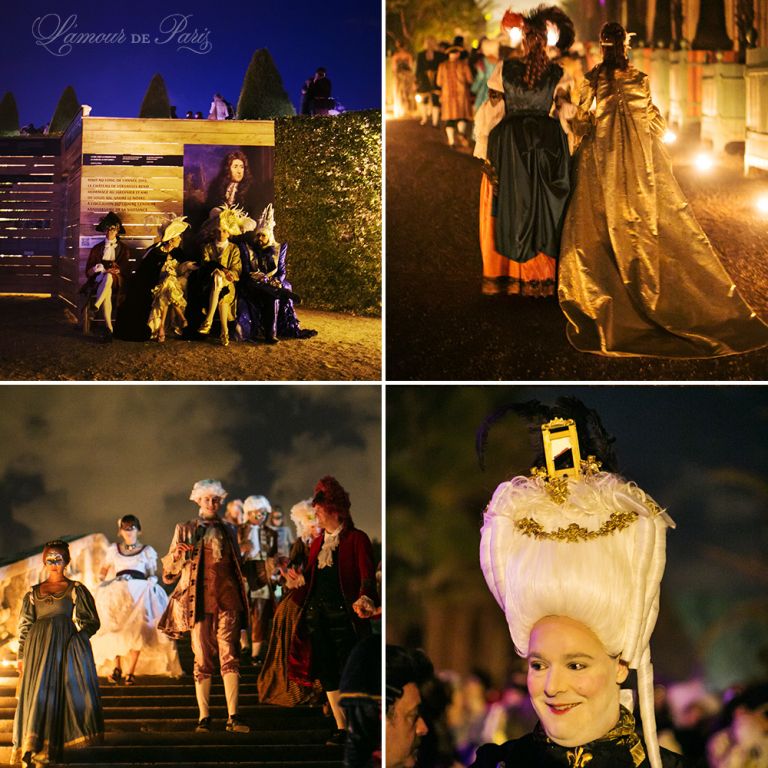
column 637, row 275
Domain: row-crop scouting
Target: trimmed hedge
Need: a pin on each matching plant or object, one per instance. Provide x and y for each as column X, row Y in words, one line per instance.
column 9, row 116
column 156, row 102
column 328, row 208
column 263, row 95
column 65, row 112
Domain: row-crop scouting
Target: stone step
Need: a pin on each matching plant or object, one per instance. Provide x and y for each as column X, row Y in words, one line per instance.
column 192, row 751
column 299, row 723
column 162, row 712
column 287, row 763
column 320, row 761
column 179, row 699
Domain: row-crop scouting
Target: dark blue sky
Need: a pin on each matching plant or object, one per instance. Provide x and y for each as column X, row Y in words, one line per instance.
column 342, row 35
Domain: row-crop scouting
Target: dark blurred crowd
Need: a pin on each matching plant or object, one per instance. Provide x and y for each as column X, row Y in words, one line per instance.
column 447, row 81
column 461, row 712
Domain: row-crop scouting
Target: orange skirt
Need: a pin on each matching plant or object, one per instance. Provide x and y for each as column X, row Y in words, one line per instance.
column 502, row 275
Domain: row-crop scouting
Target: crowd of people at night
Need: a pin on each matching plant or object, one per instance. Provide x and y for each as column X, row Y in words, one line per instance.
column 459, row 713
column 297, row 602
column 568, row 204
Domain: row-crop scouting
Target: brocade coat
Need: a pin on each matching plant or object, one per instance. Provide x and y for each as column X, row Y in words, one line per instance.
column 185, row 605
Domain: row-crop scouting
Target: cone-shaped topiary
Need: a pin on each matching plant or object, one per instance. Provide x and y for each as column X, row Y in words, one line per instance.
column 66, row 110
column 263, row 96
column 9, row 116
column 156, row 102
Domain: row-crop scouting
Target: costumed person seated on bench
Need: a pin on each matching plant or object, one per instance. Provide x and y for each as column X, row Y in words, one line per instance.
column 156, row 287
column 266, row 298
column 58, row 696
column 108, row 269
column 130, row 602
column 214, row 283
column 574, row 555
column 169, row 300
column 209, row 600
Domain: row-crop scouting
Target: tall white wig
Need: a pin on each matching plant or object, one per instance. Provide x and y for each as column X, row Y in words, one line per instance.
column 595, row 552
column 207, row 488
column 257, row 504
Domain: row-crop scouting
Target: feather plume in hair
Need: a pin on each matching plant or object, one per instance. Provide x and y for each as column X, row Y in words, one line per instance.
column 594, row 440
column 512, row 19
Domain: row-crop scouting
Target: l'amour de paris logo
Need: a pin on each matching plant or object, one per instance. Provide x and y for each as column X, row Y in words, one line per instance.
column 59, row 35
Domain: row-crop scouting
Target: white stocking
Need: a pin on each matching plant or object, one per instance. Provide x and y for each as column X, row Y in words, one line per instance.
column 203, row 694
column 231, row 691
column 218, row 284
column 334, row 699
column 450, row 131
column 104, row 289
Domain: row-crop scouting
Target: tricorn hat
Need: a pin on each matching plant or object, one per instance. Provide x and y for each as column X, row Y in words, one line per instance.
column 110, row 220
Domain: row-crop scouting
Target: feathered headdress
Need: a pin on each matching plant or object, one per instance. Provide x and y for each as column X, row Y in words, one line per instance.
column 538, row 18
column 266, row 222
column 304, row 518
column 594, row 439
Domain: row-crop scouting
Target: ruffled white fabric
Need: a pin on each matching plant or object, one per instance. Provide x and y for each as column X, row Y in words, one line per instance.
column 330, row 544
column 129, row 611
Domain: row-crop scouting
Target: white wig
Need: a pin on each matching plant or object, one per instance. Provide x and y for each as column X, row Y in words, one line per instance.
column 207, row 488
column 257, row 503
column 596, row 555
column 304, row 517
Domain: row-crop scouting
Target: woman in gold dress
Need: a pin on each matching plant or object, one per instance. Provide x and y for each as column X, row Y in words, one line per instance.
column 638, row 276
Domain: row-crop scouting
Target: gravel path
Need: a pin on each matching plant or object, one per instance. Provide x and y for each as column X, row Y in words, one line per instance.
column 440, row 326
column 40, row 341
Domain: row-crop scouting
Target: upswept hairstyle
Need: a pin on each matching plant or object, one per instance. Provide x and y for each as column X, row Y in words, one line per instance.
column 613, row 46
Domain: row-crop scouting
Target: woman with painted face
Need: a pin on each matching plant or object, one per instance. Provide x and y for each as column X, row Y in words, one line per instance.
column 337, row 593
column 59, row 704
column 130, row 602
column 574, row 556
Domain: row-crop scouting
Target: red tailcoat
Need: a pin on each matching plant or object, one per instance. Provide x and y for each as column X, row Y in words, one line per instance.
column 357, row 577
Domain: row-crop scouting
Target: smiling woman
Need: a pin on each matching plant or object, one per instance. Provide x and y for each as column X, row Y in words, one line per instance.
column 574, row 556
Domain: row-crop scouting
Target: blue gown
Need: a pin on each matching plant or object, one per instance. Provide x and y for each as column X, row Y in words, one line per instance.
column 529, row 153
column 59, row 704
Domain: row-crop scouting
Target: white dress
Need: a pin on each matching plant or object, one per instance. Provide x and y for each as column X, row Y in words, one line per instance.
column 129, row 608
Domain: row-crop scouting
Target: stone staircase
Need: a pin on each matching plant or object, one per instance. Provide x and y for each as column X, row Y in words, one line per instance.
column 153, row 723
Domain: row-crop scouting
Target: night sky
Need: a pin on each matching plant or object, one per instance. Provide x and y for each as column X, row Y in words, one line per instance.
column 700, row 452
column 344, row 36
column 75, row 458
